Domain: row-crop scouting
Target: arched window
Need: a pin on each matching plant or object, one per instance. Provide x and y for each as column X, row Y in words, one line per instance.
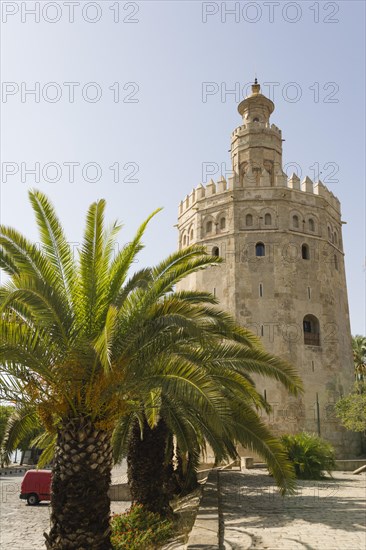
column 192, row 234
column 305, row 252
column 267, row 219
column 256, row 119
column 295, row 221
column 215, row 251
column 329, row 234
column 335, row 237
column 248, row 220
column 260, row 249
column 185, row 240
column 208, row 227
column 311, row 224
column 311, row 331
column 336, row 262
column 222, row 223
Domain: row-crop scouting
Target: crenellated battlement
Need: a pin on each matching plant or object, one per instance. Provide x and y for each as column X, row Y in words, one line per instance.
column 256, row 159
column 212, row 189
column 240, row 130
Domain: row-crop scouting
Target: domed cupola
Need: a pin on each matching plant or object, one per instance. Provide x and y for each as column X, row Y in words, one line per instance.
column 256, row 107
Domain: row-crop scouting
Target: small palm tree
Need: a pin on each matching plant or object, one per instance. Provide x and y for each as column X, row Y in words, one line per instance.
column 310, row 454
column 81, row 343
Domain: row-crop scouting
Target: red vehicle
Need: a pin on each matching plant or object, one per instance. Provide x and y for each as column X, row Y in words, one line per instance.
column 36, row 486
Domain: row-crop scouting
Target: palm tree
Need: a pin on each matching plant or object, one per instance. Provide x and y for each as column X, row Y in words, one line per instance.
column 223, row 368
column 75, row 338
column 172, row 405
column 81, row 344
column 359, row 356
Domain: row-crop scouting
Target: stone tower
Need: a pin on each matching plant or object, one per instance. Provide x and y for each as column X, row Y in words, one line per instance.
column 283, row 274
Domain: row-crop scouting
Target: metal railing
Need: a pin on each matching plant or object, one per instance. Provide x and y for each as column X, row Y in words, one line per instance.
column 311, row 339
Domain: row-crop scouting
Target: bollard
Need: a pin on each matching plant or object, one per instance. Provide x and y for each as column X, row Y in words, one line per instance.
column 246, row 462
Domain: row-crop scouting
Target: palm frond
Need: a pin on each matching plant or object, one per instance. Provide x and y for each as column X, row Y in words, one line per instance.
column 120, row 436
column 48, row 444
column 55, row 245
column 21, row 426
column 123, row 261
column 152, row 406
column 253, row 434
column 91, row 263
column 104, row 341
column 7, row 264
column 26, row 256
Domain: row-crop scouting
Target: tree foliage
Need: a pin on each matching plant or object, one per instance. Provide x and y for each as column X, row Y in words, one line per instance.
column 352, row 409
column 359, row 356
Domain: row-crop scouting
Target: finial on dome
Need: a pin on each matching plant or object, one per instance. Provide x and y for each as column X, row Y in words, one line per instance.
column 256, row 105
column 256, row 87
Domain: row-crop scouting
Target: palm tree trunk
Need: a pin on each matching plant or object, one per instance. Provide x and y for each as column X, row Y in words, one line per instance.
column 145, row 467
column 81, row 478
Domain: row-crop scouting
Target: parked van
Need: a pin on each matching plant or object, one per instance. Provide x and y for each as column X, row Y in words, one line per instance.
column 36, row 486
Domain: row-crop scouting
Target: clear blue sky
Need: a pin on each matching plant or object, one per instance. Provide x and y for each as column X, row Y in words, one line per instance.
column 161, row 54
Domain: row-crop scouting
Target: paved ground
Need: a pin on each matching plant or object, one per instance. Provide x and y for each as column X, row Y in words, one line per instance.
column 324, row 515
column 22, row 526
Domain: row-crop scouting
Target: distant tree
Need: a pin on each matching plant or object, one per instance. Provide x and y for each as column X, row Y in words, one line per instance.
column 359, row 356
column 352, row 409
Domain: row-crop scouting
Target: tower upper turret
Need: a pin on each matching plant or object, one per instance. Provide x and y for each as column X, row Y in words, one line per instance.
column 256, row 146
column 256, row 107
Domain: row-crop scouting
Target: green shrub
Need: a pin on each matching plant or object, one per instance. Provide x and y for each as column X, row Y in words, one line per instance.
column 310, row 455
column 137, row 528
